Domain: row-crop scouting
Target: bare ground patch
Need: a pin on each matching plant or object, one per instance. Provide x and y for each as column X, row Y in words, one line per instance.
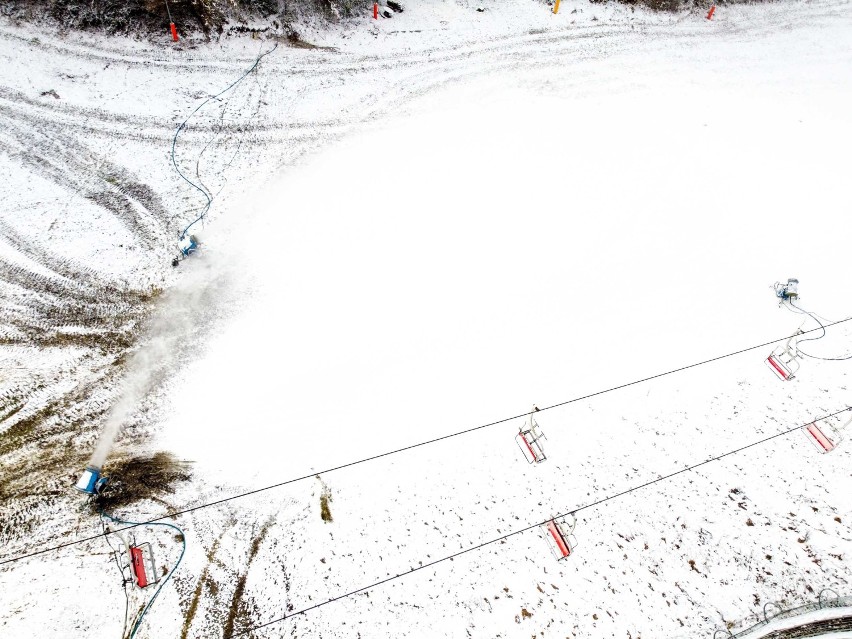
column 325, row 501
column 139, row 477
column 205, row 580
column 241, row 608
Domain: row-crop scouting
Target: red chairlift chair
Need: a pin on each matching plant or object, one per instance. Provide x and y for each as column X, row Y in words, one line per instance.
column 784, row 360
column 824, row 435
column 560, row 538
column 528, row 439
column 142, row 565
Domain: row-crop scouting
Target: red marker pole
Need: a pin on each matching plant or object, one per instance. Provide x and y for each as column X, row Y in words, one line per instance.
column 171, row 23
column 375, row 11
column 711, row 12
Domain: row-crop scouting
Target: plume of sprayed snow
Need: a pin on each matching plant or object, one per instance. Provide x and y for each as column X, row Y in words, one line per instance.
column 170, row 337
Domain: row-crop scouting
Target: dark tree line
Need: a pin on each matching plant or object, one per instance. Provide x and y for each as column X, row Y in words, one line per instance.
column 144, row 17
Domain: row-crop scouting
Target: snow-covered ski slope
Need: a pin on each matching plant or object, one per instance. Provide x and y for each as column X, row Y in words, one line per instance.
column 498, row 209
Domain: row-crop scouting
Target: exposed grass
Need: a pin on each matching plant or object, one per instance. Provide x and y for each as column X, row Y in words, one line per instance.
column 22, row 431
column 656, row 5
column 325, row 500
column 34, row 484
column 106, row 341
column 205, row 579
column 133, row 479
column 43, row 473
column 12, row 408
column 325, row 511
column 238, row 607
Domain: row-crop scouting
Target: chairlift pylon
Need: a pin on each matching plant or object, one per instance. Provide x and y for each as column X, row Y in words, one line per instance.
column 529, row 440
column 560, row 537
column 825, row 434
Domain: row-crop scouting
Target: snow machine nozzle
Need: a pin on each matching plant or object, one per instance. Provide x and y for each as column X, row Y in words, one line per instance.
column 788, row 291
column 187, row 245
column 90, row 481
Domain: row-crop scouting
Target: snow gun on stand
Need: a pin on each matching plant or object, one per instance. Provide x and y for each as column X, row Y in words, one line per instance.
column 788, row 291
column 187, row 245
column 91, row 482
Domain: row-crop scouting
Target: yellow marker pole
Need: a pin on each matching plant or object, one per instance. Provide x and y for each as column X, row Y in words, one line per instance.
column 556, row 7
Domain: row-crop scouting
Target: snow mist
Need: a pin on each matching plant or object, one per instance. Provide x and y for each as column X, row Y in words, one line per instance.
column 181, row 314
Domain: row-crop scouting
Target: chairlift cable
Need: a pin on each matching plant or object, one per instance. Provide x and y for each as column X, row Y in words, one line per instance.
column 389, row 453
column 536, row 525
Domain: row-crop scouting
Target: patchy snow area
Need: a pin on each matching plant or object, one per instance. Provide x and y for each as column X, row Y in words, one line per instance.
column 447, row 218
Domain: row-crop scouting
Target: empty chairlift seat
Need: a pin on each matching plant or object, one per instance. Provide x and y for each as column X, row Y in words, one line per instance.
column 825, row 434
column 784, row 362
column 143, row 566
column 560, row 538
column 529, row 441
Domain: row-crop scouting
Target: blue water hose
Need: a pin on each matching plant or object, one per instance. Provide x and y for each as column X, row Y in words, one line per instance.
column 198, row 187
column 171, row 572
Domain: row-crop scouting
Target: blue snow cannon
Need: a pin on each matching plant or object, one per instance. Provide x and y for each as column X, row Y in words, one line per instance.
column 90, row 481
column 788, row 291
column 187, row 244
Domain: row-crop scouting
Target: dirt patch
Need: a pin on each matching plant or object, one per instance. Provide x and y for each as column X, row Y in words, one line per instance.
column 204, row 580
column 325, row 511
column 325, row 500
column 293, row 39
column 134, row 479
column 22, row 431
column 240, row 608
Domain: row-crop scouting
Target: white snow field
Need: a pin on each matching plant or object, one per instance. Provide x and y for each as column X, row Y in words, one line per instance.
column 459, row 216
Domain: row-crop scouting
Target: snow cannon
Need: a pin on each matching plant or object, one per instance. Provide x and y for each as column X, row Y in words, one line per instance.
column 90, row 481
column 187, row 244
column 788, row 291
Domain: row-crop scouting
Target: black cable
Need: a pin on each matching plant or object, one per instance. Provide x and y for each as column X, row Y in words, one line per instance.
column 185, row 511
column 813, row 316
column 800, row 310
column 536, row 525
column 123, row 578
column 826, row 359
